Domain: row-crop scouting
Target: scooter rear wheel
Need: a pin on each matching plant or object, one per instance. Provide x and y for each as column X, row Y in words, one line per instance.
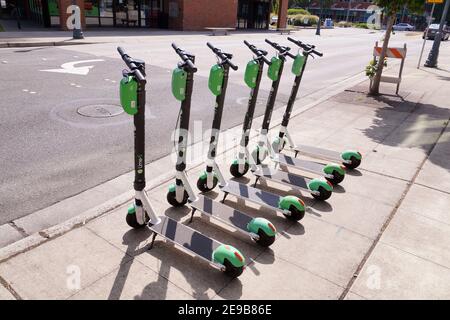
column 264, row 239
column 354, row 163
column 324, row 194
column 296, row 214
column 337, row 178
column 231, row 270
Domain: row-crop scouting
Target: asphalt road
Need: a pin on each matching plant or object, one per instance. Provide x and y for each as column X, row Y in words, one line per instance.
column 51, row 150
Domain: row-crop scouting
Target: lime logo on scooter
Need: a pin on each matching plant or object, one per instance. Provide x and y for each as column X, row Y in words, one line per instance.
column 128, row 94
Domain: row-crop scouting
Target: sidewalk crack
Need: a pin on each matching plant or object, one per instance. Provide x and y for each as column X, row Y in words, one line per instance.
column 22, row 231
column 391, row 216
column 10, row 289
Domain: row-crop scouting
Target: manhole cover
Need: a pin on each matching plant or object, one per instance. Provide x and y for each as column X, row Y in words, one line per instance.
column 100, row 110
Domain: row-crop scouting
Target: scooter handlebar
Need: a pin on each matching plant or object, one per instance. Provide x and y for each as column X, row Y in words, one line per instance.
column 309, row 48
column 282, row 49
column 131, row 64
column 187, row 58
column 225, row 57
column 258, row 52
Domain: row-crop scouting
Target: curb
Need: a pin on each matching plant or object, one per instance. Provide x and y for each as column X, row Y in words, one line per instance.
column 80, row 220
column 41, row 44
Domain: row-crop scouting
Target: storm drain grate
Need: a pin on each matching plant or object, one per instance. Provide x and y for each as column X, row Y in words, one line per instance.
column 100, row 110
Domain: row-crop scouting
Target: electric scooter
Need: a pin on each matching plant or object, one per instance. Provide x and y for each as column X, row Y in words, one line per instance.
column 333, row 172
column 258, row 229
column 351, row 159
column 319, row 188
column 290, row 206
column 141, row 213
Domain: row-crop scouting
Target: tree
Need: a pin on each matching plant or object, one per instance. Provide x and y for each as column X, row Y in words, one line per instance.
column 390, row 9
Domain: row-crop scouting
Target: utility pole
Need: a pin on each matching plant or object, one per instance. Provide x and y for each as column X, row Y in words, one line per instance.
column 434, row 53
column 320, row 18
column 348, row 10
column 425, row 34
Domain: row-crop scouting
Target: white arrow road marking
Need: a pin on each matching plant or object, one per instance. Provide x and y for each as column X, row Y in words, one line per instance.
column 70, row 67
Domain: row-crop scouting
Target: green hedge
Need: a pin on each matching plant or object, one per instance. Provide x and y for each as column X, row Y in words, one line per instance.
column 344, row 24
column 362, row 25
column 298, row 11
column 299, row 20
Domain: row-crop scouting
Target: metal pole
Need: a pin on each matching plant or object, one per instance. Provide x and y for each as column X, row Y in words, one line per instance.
column 320, row 18
column 434, row 53
column 426, row 33
column 348, row 10
column 77, row 33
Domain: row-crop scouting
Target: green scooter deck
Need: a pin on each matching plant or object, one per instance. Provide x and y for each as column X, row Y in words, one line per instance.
column 186, row 237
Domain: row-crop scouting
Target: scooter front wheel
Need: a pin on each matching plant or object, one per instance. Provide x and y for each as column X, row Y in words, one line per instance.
column 172, row 199
column 202, row 184
column 234, row 170
column 132, row 219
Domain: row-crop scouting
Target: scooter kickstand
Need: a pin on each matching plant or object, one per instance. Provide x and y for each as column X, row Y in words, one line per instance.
column 153, row 241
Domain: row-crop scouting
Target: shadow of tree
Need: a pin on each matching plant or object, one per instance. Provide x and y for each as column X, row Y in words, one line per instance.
column 409, row 125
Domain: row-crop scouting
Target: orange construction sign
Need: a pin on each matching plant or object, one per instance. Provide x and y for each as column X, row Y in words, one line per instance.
column 398, row 53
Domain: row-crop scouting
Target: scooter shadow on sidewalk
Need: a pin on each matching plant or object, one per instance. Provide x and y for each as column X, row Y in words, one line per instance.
column 195, row 273
column 132, row 238
column 170, row 258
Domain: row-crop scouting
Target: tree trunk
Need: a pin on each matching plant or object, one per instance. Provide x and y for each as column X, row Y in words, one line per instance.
column 375, row 88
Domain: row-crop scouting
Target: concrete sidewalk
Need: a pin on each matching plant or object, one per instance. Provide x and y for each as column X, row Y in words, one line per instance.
column 384, row 233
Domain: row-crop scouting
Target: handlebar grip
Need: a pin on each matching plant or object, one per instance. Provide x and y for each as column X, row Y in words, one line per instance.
column 320, row 54
column 210, row 46
column 297, row 42
column 121, row 51
column 269, row 42
column 174, row 46
column 247, row 44
column 232, row 65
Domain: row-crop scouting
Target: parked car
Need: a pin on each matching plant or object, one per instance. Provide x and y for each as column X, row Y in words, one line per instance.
column 433, row 29
column 403, row 27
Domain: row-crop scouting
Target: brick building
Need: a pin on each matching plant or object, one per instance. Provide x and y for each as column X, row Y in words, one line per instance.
column 162, row 14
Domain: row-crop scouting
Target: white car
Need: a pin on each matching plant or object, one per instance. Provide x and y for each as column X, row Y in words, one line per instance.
column 403, row 27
